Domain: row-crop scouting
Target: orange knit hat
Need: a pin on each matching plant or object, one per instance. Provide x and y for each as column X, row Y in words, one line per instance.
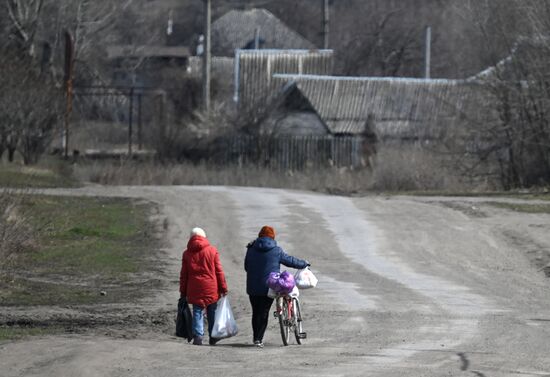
column 267, row 231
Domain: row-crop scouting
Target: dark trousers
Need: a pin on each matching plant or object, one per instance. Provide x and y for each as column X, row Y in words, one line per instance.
column 261, row 306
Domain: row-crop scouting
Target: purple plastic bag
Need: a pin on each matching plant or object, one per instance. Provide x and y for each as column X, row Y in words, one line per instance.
column 273, row 280
column 281, row 283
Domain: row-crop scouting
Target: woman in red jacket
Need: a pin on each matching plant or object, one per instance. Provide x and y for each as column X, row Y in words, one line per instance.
column 202, row 282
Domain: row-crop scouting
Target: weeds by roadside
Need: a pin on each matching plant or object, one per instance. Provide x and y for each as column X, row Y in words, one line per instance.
column 522, row 207
column 19, row 332
column 16, row 231
column 51, row 172
column 395, row 168
column 152, row 173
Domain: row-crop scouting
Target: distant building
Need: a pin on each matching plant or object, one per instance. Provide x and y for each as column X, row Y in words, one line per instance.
column 384, row 108
column 248, row 47
column 253, row 29
column 254, row 71
column 143, row 65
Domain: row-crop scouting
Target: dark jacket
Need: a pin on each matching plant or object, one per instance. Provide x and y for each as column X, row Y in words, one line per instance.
column 263, row 256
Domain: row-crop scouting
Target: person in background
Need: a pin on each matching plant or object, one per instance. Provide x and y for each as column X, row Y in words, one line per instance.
column 263, row 256
column 202, row 282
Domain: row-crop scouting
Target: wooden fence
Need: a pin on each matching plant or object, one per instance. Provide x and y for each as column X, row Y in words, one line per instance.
column 294, row 152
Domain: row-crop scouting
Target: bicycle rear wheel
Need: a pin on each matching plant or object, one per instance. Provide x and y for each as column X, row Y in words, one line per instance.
column 298, row 330
column 282, row 305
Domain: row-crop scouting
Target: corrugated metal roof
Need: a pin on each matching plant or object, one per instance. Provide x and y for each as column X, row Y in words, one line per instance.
column 237, row 28
column 254, row 70
column 346, row 104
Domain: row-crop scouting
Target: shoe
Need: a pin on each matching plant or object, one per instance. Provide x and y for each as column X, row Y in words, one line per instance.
column 213, row 341
column 197, row 341
column 258, row 343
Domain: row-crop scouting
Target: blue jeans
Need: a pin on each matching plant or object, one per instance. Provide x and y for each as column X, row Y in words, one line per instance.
column 198, row 319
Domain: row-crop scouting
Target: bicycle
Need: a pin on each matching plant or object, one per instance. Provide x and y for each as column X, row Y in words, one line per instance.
column 290, row 318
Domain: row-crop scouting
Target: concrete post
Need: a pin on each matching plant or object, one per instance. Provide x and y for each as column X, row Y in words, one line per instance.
column 207, row 54
column 428, row 53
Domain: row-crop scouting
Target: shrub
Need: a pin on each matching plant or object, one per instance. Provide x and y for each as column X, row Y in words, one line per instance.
column 406, row 167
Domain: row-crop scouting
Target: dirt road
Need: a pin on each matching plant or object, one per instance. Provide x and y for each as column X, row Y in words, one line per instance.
column 408, row 286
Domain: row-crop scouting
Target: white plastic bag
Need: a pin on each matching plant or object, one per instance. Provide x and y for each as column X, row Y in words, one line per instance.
column 305, row 279
column 224, row 321
column 295, row 292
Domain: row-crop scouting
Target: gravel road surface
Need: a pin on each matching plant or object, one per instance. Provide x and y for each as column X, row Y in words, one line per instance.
column 407, row 286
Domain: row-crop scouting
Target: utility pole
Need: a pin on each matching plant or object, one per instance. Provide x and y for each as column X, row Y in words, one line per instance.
column 326, row 24
column 428, row 53
column 130, row 122
column 207, row 54
column 69, row 73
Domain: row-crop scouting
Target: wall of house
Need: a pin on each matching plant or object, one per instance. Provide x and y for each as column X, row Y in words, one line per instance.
column 255, row 69
column 296, row 123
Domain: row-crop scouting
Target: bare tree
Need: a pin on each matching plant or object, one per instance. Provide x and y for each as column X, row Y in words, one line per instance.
column 509, row 132
column 24, row 16
column 31, row 108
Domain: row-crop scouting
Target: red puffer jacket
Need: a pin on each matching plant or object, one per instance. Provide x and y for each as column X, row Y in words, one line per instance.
column 201, row 278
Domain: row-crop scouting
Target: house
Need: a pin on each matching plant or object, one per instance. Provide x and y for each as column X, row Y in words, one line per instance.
column 248, row 47
column 385, row 108
column 247, row 79
column 142, row 65
column 255, row 69
column 253, row 29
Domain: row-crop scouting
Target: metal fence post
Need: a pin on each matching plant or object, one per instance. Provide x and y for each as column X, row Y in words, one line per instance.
column 139, row 121
column 130, row 119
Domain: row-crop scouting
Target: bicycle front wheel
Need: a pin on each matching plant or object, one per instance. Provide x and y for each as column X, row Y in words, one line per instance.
column 282, row 306
column 298, row 331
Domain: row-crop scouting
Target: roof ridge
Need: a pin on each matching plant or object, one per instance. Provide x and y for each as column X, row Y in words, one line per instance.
column 364, row 78
column 247, row 11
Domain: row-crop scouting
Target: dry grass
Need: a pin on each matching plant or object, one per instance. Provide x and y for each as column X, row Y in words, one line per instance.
column 16, row 233
column 135, row 173
column 405, row 167
column 99, row 135
column 395, row 169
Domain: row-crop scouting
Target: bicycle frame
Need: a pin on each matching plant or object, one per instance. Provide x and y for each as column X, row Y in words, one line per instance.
column 281, row 307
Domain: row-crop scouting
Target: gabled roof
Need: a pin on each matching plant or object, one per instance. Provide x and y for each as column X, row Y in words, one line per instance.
column 348, row 104
column 237, row 28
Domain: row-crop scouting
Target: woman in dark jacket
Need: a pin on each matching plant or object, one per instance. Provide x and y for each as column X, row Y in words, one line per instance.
column 263, row 256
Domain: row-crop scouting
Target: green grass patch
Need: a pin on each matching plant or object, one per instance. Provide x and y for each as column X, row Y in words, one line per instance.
column 84, row 245
column 522, row 207
column 28, row 292
column 468, row 194
column 49, row 174
column 17, row 332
